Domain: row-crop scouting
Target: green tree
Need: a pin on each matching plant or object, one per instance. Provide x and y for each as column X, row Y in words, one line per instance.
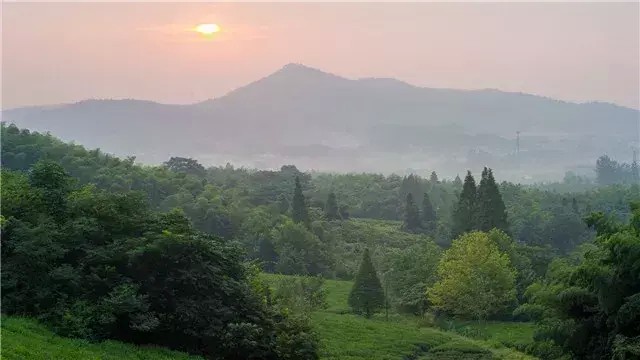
column 433, row 179
column 475, row 281
column 411, row 184
column 54, row 184
column 412, row 270
column 331, row 210
column 185, row 166
column 267, row 254
column 366, row 296
column 490, row 210
column 606, row 170
column 429, row 219
column 102, row 271
column 300, row 252
column 299, row 210
column 411, row 215
column 464, row 214
column 589, row 304
column 457, row 182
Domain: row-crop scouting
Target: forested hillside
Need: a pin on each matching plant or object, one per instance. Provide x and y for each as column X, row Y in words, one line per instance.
column 99, row 247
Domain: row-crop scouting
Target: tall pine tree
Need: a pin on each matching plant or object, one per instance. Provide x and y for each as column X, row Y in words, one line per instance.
column 366, row 296
column 429, row 220
column 299, row 211
column 464, row 219
column 457, row 182
column 411, row 215
column 491, row 212
column 331, row 210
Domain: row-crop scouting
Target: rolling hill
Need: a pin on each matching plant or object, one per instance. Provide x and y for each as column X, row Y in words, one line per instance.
column 326, row 122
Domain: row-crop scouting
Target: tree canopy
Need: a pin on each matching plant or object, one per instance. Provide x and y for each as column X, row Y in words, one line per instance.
column 476, row 280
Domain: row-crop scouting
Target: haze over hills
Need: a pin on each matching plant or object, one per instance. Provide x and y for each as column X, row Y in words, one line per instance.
column 325, row 122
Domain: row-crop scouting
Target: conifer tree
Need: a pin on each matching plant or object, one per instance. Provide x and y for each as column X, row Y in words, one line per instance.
column 429, row 220
column 411, row 184
column 491, row 212
column 411, row 214
column 457, row 182
column 464, row 213
column 331, row 210
column 366, row 296
column 433, row 178
column 299, row 211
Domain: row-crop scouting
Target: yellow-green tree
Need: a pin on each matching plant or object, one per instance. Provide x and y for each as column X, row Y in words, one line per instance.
column 475, row 281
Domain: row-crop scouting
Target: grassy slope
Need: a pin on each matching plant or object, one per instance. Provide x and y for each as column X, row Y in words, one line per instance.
column 350, row 337
column 26, row 339
column 343, row 336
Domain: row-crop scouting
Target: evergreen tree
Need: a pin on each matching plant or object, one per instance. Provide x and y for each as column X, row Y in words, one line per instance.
column 464, row 213
column 434, row 178
column 299, row 211
column 331, row 211
column 574, row 206
column 366, row 295
column 457, row 182
column 411, row 184
column 429, row 220
column 490, row 210
column 411, row 214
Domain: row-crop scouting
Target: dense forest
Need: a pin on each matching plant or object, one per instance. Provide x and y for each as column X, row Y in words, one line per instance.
column 100, row 247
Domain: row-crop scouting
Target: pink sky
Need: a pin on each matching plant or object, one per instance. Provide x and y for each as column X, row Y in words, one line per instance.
column 54, row 53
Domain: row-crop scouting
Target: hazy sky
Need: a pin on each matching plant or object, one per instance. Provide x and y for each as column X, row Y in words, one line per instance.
column 55, row 53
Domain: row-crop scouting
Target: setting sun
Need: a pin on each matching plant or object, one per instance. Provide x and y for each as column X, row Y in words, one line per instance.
column 207, row 29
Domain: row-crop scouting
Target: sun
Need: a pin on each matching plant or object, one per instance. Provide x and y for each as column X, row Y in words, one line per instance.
column 207, row 29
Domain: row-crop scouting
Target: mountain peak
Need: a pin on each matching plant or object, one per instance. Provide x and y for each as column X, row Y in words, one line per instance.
column 300, row 71
column 297, row 66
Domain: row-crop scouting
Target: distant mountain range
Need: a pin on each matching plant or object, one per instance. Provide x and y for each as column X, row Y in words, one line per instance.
column 316, row 120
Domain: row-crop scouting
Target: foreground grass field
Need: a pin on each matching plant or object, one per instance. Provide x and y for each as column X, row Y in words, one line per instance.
column 343, row 336
column 26, row 339
column 350, row 337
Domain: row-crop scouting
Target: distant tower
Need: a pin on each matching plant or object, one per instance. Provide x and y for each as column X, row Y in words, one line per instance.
column 517, row 142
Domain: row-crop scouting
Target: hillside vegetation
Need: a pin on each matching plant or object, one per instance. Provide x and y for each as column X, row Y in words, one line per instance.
column 26, row 339
column 347, row 336
column 101, row 248
column 342, row 336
